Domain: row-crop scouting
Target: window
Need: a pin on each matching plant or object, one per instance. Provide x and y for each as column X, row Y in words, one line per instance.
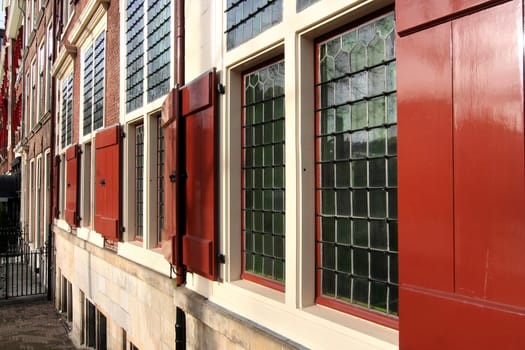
column 66, row 111
column 62, row 189
column 95, row 328
column 47, row 191
column 94, row 85
column 33, row 14
column 31, row 198
column 160, row 179
column 29, row 121
column 32, row 106
column 356, row 168
column 86, row 190
column 91, row 324
column 49, row 65
column 139, row 181
column 41, row 63
column 67, row 11
column 144, row 177
column 263, row 175
column 302, row 4
column 246, row 19
column 66, row 299
column 38, row 203
column 148, row 44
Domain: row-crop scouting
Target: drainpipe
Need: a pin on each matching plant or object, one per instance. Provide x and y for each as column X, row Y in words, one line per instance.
column 22, row 119
column 179, row 42
column 180, row 271
column 51, row 214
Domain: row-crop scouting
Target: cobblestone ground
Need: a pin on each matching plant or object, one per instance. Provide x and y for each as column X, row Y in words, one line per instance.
column 32, row 323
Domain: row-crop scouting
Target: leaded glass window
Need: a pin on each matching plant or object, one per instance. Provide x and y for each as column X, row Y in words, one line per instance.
column 356, row 161
column 66, row 134
column 147, row 51
column 160, row 180
column 158, row 48
column 302, row 4
column 94, row 85
column 139, row 179
column 248, row 18
column 134, row 54
column 263, row 182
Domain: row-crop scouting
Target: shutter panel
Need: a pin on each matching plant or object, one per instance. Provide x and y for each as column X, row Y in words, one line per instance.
column 107, row 183
column 461, row 171
column 72, row 181
column 170, row 122
column 56, row 187
column 199, row 116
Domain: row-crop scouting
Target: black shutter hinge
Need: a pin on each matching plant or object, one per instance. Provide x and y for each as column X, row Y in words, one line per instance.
column 122, row 134
column 221, row 89
column 221, row 259
column 173, row 176
column 122, row 229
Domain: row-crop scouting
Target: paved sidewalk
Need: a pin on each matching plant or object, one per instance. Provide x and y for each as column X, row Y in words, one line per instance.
column 31, row 323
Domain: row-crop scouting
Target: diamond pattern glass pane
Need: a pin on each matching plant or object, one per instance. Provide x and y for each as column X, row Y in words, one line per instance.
column 356, row 180
column 139, row 180
column 263, row 173
column 245, row 19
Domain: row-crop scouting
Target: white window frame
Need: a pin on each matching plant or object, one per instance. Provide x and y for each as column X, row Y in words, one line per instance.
column 47, row 190
column 62, row 186
column 149, row 185
column 28, row 123
column 87, row 185
column 38, row 201
column 49, row 58
column 41, row 80
column 147, row 251
column 31, row 197
column 61, row 100
column 34, row 116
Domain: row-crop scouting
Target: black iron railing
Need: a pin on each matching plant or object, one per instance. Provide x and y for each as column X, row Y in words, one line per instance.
column 23, row 269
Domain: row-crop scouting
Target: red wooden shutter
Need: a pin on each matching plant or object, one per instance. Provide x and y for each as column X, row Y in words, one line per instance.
column 461, row 179
column 72, row 181
column 170, row 122
column 107, row 186
column 56, row 187
column 199, row 115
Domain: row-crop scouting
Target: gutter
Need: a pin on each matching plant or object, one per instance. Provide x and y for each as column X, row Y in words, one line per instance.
column 180, row 271
column 53, row 165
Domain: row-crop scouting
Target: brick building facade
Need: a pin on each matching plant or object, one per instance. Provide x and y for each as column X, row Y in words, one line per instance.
column 228, row 174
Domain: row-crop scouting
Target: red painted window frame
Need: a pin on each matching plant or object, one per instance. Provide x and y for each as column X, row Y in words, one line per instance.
column 278, row 286
column 352, row 309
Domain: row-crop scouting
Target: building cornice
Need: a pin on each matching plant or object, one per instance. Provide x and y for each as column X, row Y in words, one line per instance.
column 64, row 61
column 91, row 15
column 14, row 20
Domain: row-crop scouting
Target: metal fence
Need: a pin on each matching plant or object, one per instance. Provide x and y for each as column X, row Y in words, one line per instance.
column 23, row 270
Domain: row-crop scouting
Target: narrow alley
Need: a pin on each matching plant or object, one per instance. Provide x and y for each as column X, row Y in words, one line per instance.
column 32, row 323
